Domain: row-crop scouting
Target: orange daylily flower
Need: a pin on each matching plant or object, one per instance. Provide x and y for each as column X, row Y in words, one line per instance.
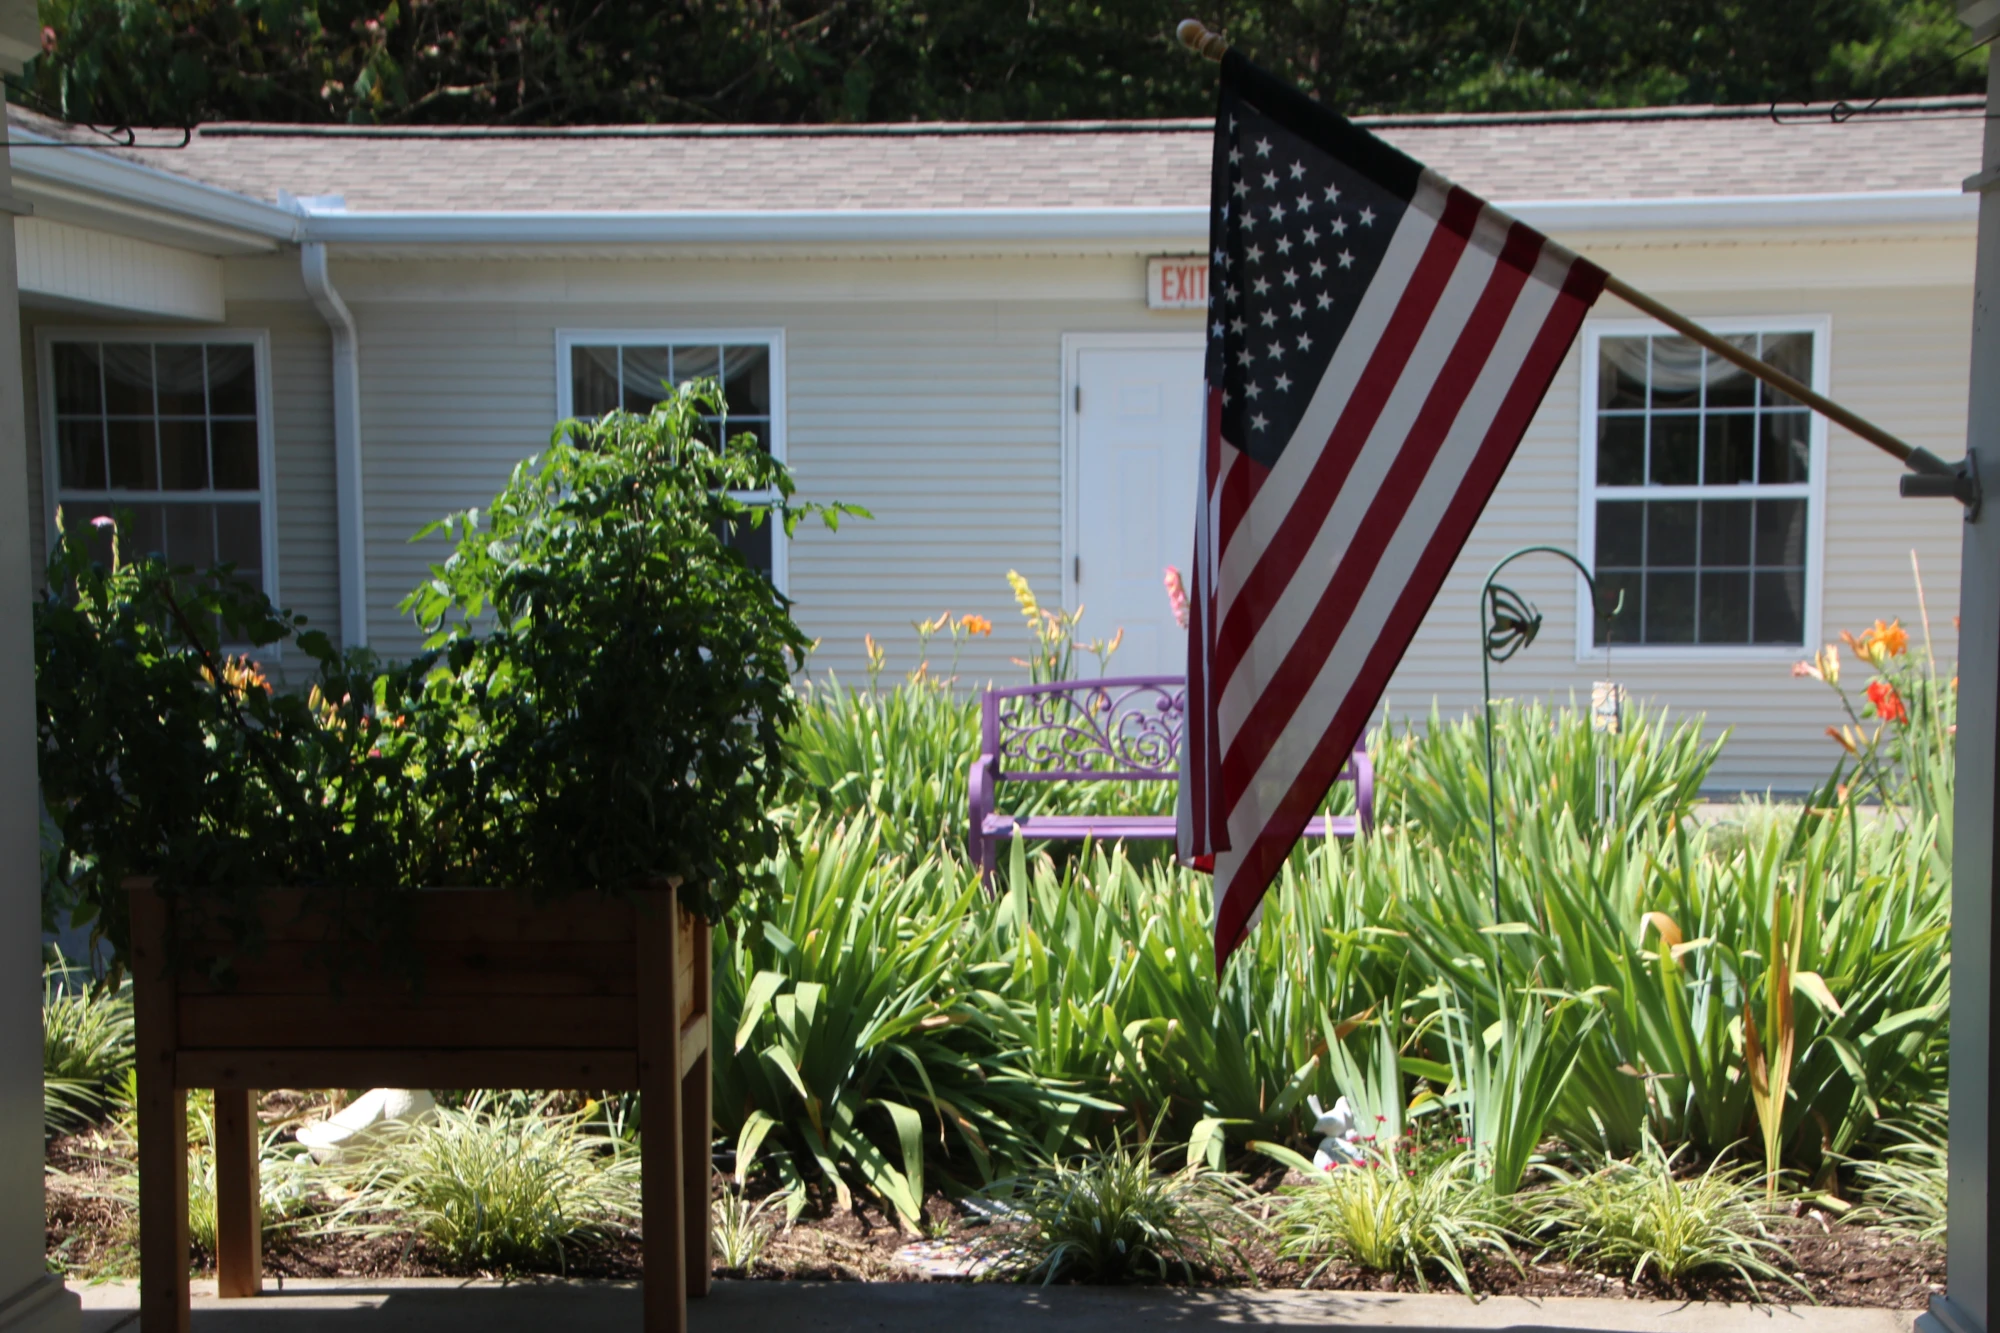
column 1888, row 704
column 979, row 625
column 1879, row 641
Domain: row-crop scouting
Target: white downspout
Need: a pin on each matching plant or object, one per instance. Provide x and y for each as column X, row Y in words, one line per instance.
column 346, row 442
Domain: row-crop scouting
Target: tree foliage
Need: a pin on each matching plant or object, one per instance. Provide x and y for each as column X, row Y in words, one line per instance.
column 572, row 62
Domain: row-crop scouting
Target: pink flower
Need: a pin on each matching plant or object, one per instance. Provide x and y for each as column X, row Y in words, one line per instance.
column 101, row 521
column 1177, row 596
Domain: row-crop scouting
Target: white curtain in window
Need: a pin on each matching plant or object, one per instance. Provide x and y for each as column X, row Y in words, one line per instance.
column 225, row 363
column 136, row 366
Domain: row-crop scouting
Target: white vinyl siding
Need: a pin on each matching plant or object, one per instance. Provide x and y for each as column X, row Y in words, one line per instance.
column 938, row 416
column 930, row 392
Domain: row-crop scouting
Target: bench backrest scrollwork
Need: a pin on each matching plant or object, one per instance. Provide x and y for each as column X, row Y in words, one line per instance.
column 1121, row 727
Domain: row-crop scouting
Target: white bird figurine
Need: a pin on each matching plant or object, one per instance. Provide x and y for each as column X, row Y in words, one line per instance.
column 362, row 1119
column 1340, row 1138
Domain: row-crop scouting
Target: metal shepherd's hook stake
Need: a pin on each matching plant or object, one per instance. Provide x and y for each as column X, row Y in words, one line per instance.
column 1507, row 624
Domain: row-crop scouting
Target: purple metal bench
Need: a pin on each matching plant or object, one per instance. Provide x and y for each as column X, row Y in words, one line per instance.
column 1121, row 729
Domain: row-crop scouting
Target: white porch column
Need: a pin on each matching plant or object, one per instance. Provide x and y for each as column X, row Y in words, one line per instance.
column 1966, row 1306
column 30, row 1299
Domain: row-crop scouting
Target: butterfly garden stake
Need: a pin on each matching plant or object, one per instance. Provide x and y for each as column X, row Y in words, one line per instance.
column 1507, row 624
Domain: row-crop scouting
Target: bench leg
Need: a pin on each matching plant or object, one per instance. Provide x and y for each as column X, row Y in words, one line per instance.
column 239, row 1207
column 663, row 1197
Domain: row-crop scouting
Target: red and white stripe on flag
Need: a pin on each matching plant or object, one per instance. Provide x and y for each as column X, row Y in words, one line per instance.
column 1338, row 484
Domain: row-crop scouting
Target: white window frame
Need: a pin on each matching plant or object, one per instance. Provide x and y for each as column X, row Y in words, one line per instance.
column 773, row 339
column 1812, row 490
column 267, row 471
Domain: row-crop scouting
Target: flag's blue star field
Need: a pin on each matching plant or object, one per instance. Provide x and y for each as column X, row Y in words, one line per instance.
column 1294, row 244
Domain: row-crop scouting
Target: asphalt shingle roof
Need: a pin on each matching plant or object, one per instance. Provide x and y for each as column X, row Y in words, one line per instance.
column 1676, row 152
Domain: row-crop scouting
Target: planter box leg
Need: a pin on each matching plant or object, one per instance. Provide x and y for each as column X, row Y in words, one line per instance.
column 662, row 1193
column 697, row 1172
column 698, row 1128
column 163, row 1163
column 239, row 1207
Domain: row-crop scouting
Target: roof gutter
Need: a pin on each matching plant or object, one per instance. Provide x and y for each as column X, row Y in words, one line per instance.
column 65, row 169
column 1140, row 228
column 346, row 442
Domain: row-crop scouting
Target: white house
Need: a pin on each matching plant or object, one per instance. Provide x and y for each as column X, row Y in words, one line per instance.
column 293, row 346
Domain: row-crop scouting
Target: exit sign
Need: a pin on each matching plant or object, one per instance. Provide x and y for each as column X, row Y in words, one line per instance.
column 1177, row 282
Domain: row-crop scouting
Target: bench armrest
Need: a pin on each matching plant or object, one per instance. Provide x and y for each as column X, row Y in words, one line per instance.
column 980, row 786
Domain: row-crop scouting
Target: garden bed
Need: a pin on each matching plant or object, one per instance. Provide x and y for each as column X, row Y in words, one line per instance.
column 93, row 1237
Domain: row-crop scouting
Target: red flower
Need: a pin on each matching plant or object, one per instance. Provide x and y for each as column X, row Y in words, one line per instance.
column 1888, row 703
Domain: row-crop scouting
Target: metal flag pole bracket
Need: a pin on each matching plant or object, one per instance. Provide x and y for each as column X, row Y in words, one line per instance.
column 1929, row 477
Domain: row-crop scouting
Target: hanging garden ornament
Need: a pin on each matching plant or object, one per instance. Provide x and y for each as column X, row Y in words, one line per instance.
column 1511, row 624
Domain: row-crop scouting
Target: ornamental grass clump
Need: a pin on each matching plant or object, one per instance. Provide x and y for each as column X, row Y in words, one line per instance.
column 86, row 1044
column 1114, row 1216
column 494, row 1187
column 1649, row 1217
column 1401, row 1207
column 1905, row 1187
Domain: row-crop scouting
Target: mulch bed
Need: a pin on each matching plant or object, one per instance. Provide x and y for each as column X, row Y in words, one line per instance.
column 95, row 1236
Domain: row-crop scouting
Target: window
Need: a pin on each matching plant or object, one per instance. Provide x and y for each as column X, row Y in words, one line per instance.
column 170, row 429
column 600, row 372
column 1700, row 484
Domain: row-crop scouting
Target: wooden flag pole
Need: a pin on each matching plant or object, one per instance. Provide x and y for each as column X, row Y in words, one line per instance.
column 1935, row 477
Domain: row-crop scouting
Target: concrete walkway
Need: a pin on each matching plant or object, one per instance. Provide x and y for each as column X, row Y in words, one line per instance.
column 447, row 1306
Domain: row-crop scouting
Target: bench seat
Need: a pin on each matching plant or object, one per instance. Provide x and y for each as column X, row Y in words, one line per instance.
column 1109, row 828
column 1127, row 729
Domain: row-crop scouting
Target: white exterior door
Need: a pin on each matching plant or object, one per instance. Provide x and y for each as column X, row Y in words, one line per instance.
column 1137, row 433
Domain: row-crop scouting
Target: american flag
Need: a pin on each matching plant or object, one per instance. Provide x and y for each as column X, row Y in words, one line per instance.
column 1378, row 342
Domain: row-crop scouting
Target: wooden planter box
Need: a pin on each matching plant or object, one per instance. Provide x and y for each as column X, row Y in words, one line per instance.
column 589, row 993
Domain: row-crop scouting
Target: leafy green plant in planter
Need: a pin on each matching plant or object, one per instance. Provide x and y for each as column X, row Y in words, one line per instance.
column 600, row 703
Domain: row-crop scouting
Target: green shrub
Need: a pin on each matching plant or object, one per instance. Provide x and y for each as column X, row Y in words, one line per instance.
column 1433, row 780
column 1112, row 971
column 899, row 756
column 494, row 1188
column 866, row 1039
column 1398, row 1209
column 1602, row 1007
column 86, row 1044
column 1113, row 1216
column 1644, row 1217
column 601, row 701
